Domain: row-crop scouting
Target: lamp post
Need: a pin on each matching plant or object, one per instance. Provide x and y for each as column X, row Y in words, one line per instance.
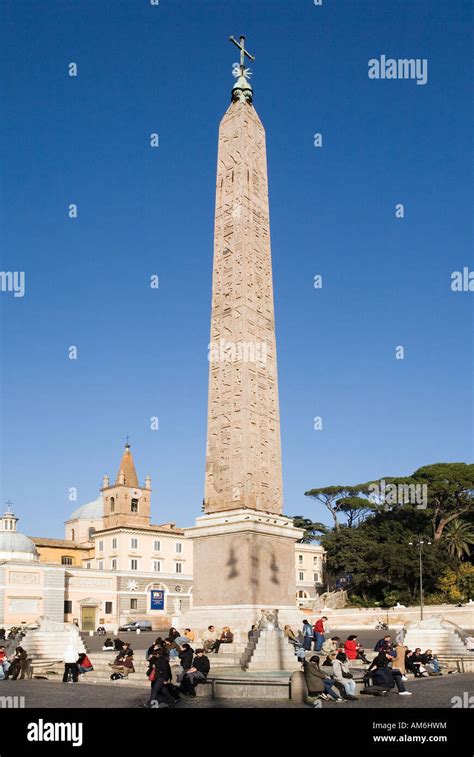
column 420, row 544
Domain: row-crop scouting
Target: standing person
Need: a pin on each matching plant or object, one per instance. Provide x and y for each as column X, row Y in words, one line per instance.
column 70, row 665
column 209, row 637
column 343, row 675
column 2, row 634
column 319, row 684
column 319, row 633
column 384, row 643
column 307, row 635
column 227, row 637
column 159, row 673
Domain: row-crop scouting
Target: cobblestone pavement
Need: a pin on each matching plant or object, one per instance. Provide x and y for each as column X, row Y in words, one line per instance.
column 429, row 692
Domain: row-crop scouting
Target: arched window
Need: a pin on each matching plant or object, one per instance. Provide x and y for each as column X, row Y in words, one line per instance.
column 73, row 534
column 66, row 560
column 112, row 504
column 91, row 531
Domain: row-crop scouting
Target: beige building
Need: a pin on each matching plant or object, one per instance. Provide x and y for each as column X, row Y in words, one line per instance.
column 114, row 565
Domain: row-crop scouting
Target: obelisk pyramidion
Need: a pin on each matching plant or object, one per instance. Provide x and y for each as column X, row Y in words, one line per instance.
column 243, row 547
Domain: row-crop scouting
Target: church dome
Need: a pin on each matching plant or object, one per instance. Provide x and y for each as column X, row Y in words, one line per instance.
column 14, row 546
column 90, row 511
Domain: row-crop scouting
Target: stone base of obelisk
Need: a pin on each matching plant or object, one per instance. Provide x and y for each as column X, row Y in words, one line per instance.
column 243, row 563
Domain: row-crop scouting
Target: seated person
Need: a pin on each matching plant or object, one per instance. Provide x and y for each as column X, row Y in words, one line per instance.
column 108, row 645
column 196, row 674
column 4, row 664
column 431, row 662
column 354, row 650
column 18, row 664
column 414, row 663
column 318, row 682
column 385, row 676
column 209, row 638
column 84, row 665
column 123, row 663
column 227, row 637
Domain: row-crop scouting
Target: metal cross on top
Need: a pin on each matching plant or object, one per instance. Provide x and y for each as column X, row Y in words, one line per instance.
column 9, row 504
column 243, row 52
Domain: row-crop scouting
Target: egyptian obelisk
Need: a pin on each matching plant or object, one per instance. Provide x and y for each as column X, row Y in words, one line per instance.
column 243, row 546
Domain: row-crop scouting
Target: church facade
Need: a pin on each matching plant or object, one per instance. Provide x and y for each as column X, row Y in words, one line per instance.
column 113, row 566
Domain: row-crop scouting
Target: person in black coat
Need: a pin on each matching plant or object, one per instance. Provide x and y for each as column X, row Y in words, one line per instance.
column 186, row 657
column 384, row 676
column 159, row 672
column 197, row 673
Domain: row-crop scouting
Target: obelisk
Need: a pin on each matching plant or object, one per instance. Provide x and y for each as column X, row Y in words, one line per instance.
column 243, row 546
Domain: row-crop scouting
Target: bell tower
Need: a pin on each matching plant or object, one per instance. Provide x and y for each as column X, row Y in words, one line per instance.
column 126, row 503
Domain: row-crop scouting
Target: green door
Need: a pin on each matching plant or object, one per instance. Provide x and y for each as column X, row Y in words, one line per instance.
column 88, row 618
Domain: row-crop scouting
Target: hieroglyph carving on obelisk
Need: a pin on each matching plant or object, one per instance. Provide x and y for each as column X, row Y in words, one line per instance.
column 243, row 460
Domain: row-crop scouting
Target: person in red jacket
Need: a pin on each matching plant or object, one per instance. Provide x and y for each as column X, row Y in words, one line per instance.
column 353, row 650
column 319, row 634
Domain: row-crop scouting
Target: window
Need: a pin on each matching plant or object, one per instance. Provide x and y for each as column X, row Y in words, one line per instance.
column 108, row 608
column 67, row 606
column 88, row 565
column 178, row 568
column 157, row 546
column 133, row 564
column 112, row 504
column 300, row 559
column 91, row 531
column 134, row 506
column 65, row 560
column 178, row 547
column 301, row 576
column 156, row 566
column 315, row 560
column 73, row 534
column 101, row 546
column 100, row 564
column 114, row 543
column 134, row 604
column 113, row 564
column 316, row 578
column 133, row 543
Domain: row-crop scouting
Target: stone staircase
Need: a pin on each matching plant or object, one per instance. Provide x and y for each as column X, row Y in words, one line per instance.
column 444, row 642
column 269, row 649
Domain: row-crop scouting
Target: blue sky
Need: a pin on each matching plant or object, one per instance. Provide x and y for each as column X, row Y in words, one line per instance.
column 144, row 211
